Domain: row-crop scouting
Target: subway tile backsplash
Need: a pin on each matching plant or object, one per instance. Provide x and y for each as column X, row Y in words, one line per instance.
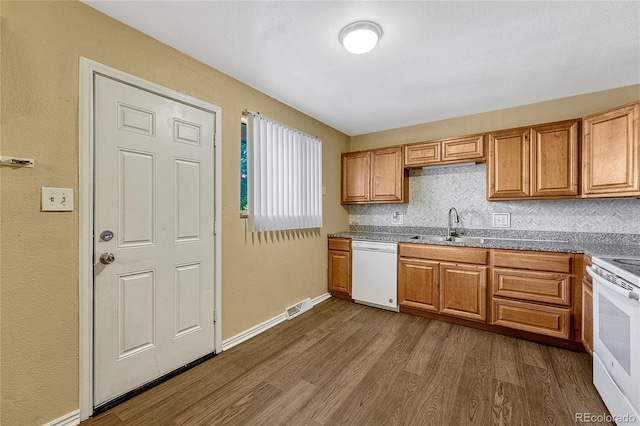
column 433, row 191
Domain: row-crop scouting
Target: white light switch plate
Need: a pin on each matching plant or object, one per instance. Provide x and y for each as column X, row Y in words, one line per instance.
column 57, row 199
column 397, row 218
column 502, row 220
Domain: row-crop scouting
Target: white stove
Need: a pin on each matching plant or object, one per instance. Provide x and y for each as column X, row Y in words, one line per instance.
column 616, row 335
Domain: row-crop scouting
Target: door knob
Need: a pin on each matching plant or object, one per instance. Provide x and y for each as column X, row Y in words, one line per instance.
column 107, row 258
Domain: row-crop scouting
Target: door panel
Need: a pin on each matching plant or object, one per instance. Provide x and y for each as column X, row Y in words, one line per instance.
column 153, row 306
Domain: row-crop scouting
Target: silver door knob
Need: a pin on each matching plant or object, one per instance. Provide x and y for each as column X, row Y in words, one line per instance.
column 107, row 258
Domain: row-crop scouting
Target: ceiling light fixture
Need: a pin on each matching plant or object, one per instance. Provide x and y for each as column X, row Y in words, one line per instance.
column 360, row 37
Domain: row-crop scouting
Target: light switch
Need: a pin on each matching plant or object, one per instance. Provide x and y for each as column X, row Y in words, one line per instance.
column 57, row 199
column 502, row 220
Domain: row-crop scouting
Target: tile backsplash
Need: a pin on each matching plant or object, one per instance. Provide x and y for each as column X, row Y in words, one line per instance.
column 433, row 191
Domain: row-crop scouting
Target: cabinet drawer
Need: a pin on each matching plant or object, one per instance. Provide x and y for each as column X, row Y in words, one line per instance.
column 421, row 154
column 539, row 319
column 343, row 244
column 533, row 286
column 553, row 262
column 448, row 254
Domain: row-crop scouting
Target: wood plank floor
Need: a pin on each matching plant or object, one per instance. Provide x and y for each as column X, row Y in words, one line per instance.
column 343, row 363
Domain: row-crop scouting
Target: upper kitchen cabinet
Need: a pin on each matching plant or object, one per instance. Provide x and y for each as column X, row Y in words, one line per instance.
column 356, row 177
column 611, row 153
column 375, row 176
column 534, row 163
column 446, row 151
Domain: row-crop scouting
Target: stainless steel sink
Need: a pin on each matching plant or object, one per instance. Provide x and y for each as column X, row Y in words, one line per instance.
column 429, row 238
column 473, row 240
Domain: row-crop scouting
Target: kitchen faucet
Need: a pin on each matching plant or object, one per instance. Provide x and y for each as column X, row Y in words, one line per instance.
column 452, row 233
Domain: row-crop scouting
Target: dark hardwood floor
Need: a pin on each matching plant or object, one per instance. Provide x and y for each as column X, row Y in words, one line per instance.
column 343, row 363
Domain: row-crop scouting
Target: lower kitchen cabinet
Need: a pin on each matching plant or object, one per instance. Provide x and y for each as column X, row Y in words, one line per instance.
column 531, row 291
column 431, row 279
column 587, row 316
column 339, row 267
column 586, row 331
column 463, row 291
column 418, row 284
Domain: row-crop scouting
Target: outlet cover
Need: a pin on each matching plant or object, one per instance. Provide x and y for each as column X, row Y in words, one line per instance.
column 502, row 220
column 57, row 199
column 397, row 218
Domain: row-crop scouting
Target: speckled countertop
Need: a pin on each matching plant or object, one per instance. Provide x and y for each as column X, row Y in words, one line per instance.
column 592, row 244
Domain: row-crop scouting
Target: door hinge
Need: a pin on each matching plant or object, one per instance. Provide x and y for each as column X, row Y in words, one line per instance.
column 215, row 227
column 215, row 315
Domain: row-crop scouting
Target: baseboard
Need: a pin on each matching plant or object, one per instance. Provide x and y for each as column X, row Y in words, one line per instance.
column 71, row 419
column 262, row 327
column 252, row 332
column 321, row 298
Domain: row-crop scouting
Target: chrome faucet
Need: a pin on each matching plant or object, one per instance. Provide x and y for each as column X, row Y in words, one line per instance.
column 452, row 232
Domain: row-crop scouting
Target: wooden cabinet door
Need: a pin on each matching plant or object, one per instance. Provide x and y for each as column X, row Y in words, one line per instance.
column 469, row 148
column 421, row 154
column 611, row 153
column 387, row 175
column 463, row 291
column 418, row 284
column 554, row 160
column 339, row 271
column 356, row 169
column 508, row 165
column 587, row 316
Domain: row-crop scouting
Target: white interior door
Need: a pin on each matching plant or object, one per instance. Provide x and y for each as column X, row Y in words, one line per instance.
column 154, row 191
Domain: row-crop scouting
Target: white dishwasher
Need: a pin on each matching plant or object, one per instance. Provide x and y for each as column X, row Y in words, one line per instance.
column 374, row 276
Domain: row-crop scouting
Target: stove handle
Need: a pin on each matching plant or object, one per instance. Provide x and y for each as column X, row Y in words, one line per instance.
column 621, row 291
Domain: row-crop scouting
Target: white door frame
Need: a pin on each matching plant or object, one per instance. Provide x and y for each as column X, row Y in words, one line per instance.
column 85, row 205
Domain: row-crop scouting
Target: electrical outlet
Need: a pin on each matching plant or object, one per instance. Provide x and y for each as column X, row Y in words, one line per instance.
column 397, row 218
column 502, row 220
column 57, row 199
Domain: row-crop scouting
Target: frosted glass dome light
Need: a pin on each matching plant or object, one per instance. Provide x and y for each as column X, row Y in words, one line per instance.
column 360, row 37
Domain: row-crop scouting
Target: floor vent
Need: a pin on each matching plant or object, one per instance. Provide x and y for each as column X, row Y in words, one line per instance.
column 298, row 308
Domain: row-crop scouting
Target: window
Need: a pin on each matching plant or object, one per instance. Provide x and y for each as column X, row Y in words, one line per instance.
column 284, row 176
column 243, row 168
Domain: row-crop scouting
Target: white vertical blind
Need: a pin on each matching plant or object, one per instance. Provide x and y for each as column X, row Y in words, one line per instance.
column 284, row 168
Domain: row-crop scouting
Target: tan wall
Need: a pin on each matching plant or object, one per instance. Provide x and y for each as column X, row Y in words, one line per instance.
column 41, row 43
column 542, row 112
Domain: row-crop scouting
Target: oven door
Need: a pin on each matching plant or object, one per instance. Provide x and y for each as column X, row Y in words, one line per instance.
column 616, row 336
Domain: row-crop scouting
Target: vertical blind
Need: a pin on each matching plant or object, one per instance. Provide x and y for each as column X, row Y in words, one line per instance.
column 284, row 168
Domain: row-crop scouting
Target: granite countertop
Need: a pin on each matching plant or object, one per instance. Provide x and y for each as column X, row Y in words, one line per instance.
column 567, row 245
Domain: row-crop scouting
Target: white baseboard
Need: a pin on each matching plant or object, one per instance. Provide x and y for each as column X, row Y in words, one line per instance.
column 252, row 332
column 71, row 419
column 264, row 326
column 320, row 298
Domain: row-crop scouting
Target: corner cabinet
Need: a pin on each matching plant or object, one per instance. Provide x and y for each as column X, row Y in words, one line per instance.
column 376, row 176
column 339, row 268
column 534, row 163
column 611, row 153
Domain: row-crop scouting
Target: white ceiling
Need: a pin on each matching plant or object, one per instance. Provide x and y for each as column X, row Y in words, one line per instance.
column 436, row 60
